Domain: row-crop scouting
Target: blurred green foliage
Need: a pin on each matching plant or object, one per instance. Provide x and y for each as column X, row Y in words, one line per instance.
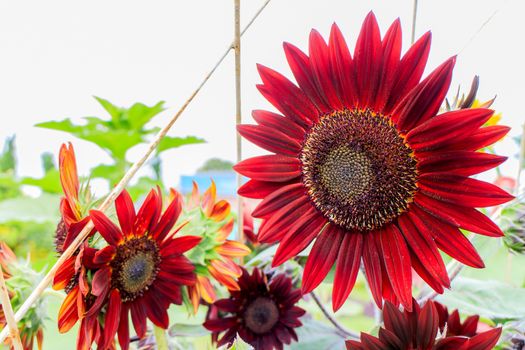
column 125, row 128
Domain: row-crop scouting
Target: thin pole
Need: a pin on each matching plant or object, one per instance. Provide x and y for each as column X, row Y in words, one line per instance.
column 238, row 118
column 9, row 314
column 116, row 190
column 414, row 17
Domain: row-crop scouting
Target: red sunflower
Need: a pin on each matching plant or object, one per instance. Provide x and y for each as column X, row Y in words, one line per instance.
column 261, row 312
column 422, row 329
column 143, row 266
column 363, row 163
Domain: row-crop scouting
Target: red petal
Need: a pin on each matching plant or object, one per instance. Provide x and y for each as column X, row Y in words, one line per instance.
column 179, row 245
column 462, row 191
column 424, row 100
column 107, row 229
column 372, row 264
column 300, row 65
column 112, row 318
column 478, row 139
column 485, row 341
column 421, row 242
column 168, row 219
column 156, row 310
column 428, row 322
column 278, row 199
column 299, row 237
column 104, row 255
column 270, row 139
column 286, row 97
column 447, row 127
column 321, row 258
column 391, row 51
column 450, row 240
column 278, row 122
column 464, row 163
column 125, row 212
column 367, row 60
column 322, row 73
column 467, row 218
column 347, row 267
column 396, row 322
column 68, row 313
column 274, row 168
column 280, row 222
column 64, row 273
column 258, row 189
column 138, row 317
column 409, row 71
column 101, row 282
column 149, row 213
column 342, row 65
column 123, row 328
column 397, row 262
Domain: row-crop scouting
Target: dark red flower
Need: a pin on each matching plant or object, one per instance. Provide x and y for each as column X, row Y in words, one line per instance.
column 363, row 163
column 262, row 312
column 143, row 266
column 422, row 329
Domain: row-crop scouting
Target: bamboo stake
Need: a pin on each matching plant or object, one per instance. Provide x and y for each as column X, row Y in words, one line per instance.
column 238, row 118
column 118, row 189
column 9, row 314
column 414, row 17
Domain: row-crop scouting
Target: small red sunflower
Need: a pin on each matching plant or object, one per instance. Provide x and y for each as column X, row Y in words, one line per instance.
column 262, row 312
column 363, row 163
column 143, row 266
column 424, row 329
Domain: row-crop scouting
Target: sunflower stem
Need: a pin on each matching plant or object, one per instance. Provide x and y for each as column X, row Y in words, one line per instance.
column 40, row 288
column 160, row 338
column 340, row 329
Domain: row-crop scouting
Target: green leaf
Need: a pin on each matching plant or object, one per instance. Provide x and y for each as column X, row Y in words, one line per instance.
column 49, row 183
column 169, row 142
column 41, row 209
column 48, row 162
column 113, row 110
column 143, row 185
column 115, row 141
column 139, row 114
column 491, row 299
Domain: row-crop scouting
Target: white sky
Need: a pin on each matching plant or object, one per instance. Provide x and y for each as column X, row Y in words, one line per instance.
column 55, row 55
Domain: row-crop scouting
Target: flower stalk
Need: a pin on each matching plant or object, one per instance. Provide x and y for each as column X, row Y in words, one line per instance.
column 9, row 314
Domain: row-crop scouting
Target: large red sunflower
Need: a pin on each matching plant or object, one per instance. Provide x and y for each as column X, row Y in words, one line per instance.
column 262, row 312
column 363, row 163
column 144, row 268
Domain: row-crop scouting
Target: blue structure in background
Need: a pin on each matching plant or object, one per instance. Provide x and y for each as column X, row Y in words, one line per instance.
column 224, row 180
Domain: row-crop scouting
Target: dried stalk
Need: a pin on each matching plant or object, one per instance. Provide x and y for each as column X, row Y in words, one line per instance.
column 238, row 118
column 9, row 314
column 117, row 189
column 414, row 17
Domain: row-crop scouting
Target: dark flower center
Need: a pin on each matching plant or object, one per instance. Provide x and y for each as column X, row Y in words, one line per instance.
column 261, row 315
column 60, row 236
column 135, row 267
column 358, row 170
